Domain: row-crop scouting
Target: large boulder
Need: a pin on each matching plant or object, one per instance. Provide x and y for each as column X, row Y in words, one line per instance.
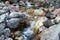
column 52, row 33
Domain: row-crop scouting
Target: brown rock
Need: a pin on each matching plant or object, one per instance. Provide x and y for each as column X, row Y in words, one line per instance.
column 56, row 12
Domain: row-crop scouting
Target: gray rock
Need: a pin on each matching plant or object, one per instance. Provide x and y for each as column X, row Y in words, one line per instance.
column 57, row 19
column 13, row 23
column 29, row 34
column 8, row 39
column 2, row 37
column 5, row 8
column 6, row 32
column 2, row 4
column 14, row 14
column 2, row 26
column 51, row 33
column 2, row 17
column 28, row 5
column 2, row 11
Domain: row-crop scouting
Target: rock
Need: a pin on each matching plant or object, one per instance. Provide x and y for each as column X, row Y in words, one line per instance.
column 52, row 33
column 28, row 4
column 30, row 11
column 8, row 39
column 14, row 15
column 13, row 23
column 42, row 28
column 1, row 8
column 17, row 15
column 21, row 3
column 51, row 9
column 2, row 26
column 6, row 32
column 19, row 38
column 2, row 18
column 49, row 15
column 56, row 12
column 17, row 33
column 2, row 12
column 2, row 37
column 57, row 19
column 2, row 4
column 47, row 23
column 7, row 3
column 5, row 8
column 39, row 12
column 16, row 7
column 29, row 34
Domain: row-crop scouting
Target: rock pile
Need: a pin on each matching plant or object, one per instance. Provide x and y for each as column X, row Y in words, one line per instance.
column 29, row 20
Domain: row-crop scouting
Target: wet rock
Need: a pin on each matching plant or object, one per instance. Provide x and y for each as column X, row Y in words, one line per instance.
column 13, row 23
